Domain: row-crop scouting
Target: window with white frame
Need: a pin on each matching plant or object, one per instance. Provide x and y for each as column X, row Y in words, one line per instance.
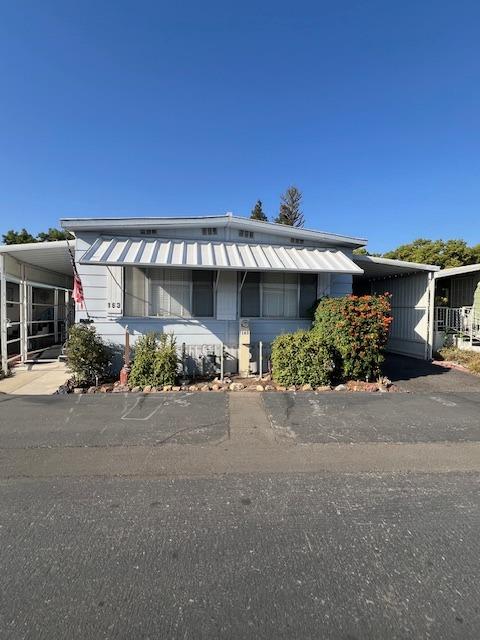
column 169, row 292
column 278, row 295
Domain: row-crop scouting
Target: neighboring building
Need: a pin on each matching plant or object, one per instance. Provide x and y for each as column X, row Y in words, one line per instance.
column 228, row 284
column 457, row 312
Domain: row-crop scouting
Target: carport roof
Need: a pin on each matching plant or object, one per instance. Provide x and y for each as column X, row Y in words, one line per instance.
column 53, row 256
column 458, row 271
column 375, row 267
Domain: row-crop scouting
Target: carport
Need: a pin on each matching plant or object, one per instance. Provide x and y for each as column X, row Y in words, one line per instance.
column 412, row 288
column 35, row 285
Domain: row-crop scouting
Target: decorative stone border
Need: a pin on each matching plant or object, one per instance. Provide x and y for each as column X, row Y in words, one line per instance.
column 384, row 386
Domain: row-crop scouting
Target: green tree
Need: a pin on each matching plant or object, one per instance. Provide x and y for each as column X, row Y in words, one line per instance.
column 258, row 213
column 18, row 237
column 449, row 253
column 290, row 212
column 52, row 235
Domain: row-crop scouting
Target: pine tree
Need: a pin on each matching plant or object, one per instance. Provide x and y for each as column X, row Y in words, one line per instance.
column 258, row 213
column 18, row 237
column 290, row 212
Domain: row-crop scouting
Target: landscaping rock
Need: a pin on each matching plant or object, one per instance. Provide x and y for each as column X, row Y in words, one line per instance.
column 341, row 387
column 216, row 387
column 176, row 388
column 267, row 377
column 93, row 389
column 79, row 390
column 106, row 388
column 167, row 387
column 237, row 386
column 136, row 389
column 205, row 387
column 227, row 380
column 292, row 388
column 280, row 387
column 270, row 387
column 259, row 387
column 193, row 387
column 325, row 387
column 147, row 389
column 307, row 387
column 120, row 388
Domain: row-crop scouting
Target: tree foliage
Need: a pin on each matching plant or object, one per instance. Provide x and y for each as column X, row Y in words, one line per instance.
column 258, row 213
column 290, row 212
column 18, row 237
column 23, row 236
column 444, row 253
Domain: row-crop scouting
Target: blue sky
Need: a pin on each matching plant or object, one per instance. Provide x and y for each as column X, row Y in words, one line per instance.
column 372, row 108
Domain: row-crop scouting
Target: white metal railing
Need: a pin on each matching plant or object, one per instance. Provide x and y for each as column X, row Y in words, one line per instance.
column 459, row 320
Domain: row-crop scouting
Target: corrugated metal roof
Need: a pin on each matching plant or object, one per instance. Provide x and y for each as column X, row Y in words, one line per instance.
column 216, row 255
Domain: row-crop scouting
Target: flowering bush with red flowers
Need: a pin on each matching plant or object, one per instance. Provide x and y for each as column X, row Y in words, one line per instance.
column 356, row 327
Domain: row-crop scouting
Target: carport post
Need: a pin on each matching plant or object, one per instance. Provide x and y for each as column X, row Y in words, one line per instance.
column 23, row 314
column 3, row 314
column 431, row 316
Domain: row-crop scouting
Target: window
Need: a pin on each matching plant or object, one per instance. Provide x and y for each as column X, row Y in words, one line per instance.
column 250, row 296
column 209, row 231
column 308, row 293
column 297, row 240
column 148, row 232
column 278, row 295
column 169, row 293
column 245, row 234
column 202, row 294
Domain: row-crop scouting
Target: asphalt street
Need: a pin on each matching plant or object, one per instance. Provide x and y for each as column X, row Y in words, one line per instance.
column 242, row 515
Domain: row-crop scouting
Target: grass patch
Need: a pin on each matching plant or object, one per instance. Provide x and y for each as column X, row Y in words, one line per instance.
column 469, row 359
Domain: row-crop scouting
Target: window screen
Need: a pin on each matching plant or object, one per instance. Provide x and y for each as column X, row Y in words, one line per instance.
column 280, row 295
column 250, row 297
column 170, row 292
column 202, row 294
column 308, row 293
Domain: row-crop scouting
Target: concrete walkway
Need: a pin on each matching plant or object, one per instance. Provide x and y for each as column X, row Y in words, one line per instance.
column 35, row 379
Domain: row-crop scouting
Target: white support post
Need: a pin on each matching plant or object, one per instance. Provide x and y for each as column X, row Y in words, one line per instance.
column 260, row 358
column 67, row 312
column 221, row 362
column 55, row 315
column 23, row 315
column 3, row 314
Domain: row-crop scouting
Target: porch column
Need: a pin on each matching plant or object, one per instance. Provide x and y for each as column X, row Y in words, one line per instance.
column 3, row 314
column 23, row 315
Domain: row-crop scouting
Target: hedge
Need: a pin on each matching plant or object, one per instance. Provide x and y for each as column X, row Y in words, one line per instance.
column 356, row 327
column 303, row 358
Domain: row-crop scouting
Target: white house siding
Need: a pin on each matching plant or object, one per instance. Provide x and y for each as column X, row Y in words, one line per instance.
column 462, row 289
column 409, row 333
column 340, row 285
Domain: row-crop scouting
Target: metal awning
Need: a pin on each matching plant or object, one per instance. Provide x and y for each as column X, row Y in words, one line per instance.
column 198, row 254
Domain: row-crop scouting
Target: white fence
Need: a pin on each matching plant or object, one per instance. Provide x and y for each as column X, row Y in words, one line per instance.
column 460, row 320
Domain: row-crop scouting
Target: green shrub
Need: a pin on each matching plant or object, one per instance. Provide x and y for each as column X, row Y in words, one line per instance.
column 88, row 357
column 303, row 358
column 356, row 327
column 155, row 361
